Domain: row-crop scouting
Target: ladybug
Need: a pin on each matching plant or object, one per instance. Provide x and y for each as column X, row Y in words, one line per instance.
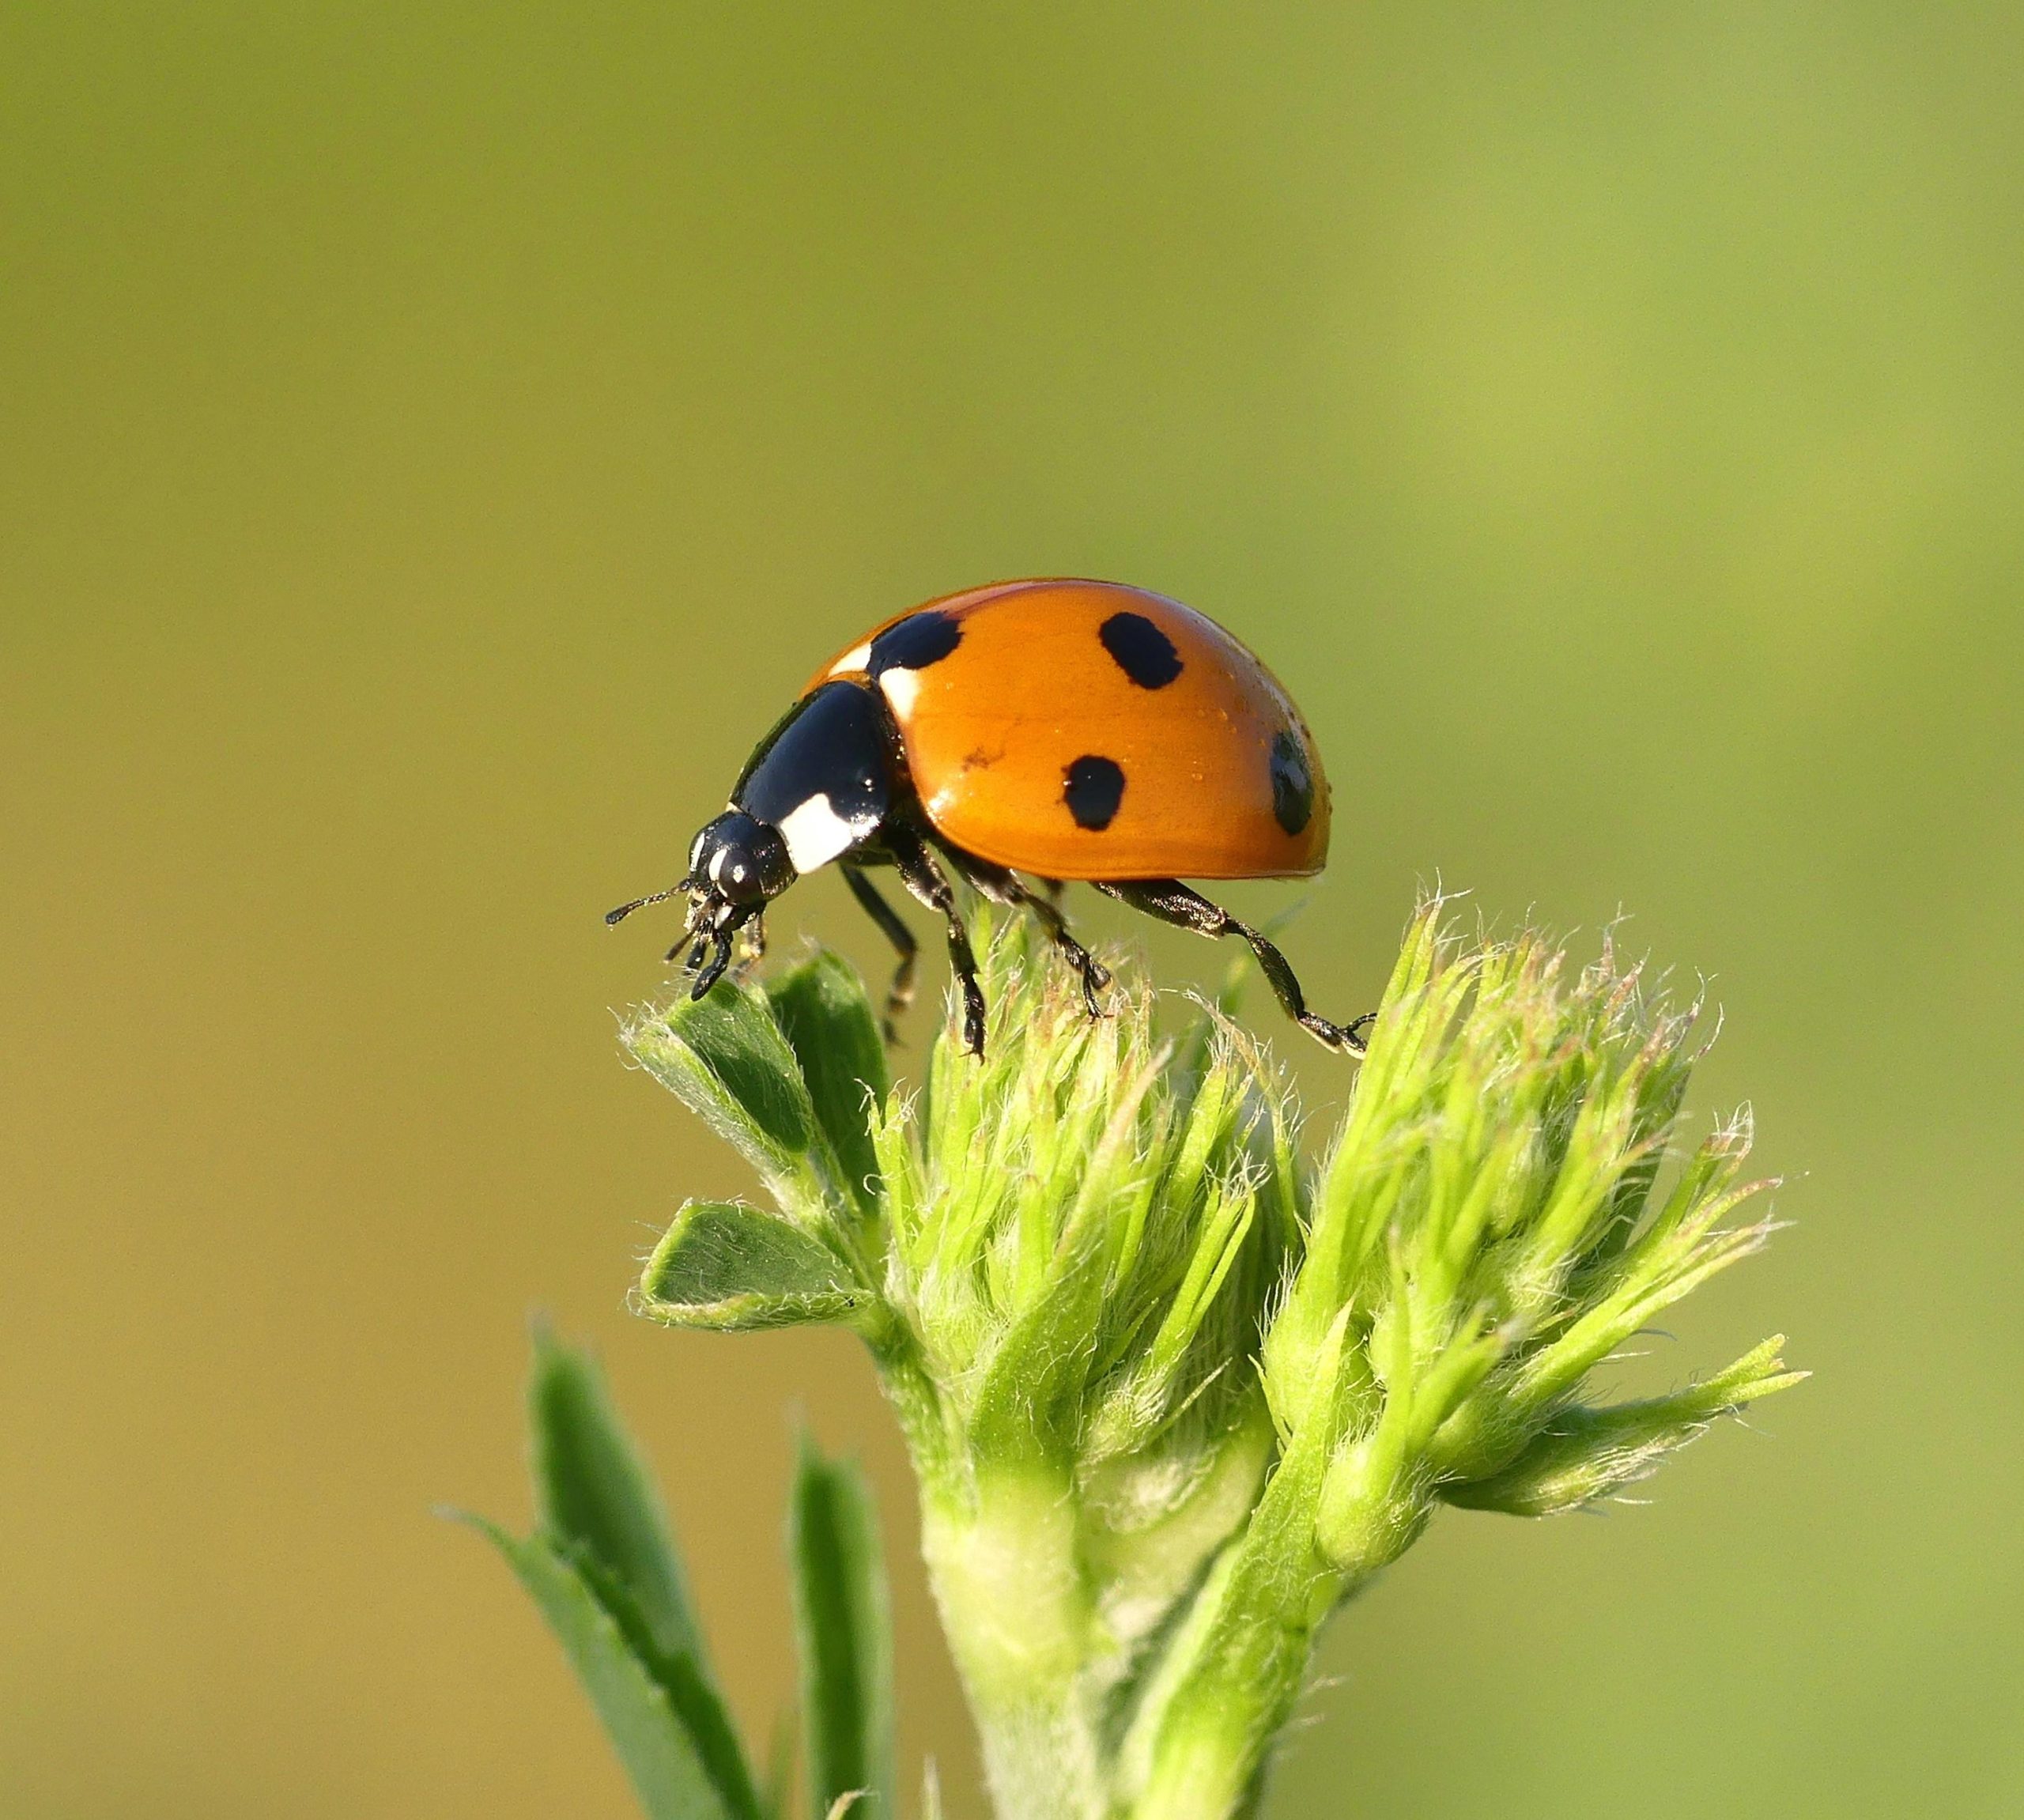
column 1065, row 729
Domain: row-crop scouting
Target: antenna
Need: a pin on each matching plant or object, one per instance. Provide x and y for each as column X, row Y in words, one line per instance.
column 613, row 918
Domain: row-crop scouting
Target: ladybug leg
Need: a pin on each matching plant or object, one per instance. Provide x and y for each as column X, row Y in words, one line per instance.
column 755, row 945
column 719, row 942
column 692, row 923
column 719, row 959
column 901, row 995
column 928, row 881
column 1003, row 887
column 1171, row 901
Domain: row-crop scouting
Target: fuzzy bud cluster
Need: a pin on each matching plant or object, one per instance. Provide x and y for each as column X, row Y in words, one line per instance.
column 1172, row 1394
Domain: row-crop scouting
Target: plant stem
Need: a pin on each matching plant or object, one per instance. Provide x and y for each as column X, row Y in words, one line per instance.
column 1238, row 1664
column 1004, row 1564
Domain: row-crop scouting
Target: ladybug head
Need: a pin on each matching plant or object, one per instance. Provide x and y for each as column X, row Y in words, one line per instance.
column 737, row 866
column 737, row 863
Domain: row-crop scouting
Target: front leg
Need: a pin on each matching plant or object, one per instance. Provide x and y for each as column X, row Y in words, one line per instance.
column 928, row 881
column 711, row 956
column 710, row 970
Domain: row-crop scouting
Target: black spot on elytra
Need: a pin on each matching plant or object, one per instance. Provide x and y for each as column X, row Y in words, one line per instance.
column 918, row 641
column 1093, row 789
column 1143, row 652
column 1292, row 783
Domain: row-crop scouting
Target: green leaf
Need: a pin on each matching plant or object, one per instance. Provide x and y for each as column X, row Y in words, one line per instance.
column 736, row 1269
column 845, row 1630
column 725, row 1057
column 595, row 1499
column 822, row 1011
column 691, row 1692
column 777, row 1799
column 659, row 1754
column 600, row 1517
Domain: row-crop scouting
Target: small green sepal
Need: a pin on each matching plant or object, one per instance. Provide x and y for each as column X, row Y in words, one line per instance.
column 738, row 1269
column 724, row 1056
column 821, row 1009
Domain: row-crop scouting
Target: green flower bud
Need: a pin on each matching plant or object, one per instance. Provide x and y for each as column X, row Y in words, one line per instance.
column 1172, row 1394
column 1583, row 1454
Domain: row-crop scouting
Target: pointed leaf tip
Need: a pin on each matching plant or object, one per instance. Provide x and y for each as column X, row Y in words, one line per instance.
column 594, row 1494
column 604, row 1569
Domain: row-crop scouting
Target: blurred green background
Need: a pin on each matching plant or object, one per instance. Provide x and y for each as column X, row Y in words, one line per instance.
column 436, row 443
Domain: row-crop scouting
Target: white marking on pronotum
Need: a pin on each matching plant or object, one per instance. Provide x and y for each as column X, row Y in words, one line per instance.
column 853, row 660
column 815, row 833
column 901, row 687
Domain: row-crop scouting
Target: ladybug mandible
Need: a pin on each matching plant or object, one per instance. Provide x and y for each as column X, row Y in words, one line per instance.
column 1067, row 729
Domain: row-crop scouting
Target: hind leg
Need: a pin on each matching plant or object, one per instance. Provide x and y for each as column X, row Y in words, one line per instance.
column 1171, row 901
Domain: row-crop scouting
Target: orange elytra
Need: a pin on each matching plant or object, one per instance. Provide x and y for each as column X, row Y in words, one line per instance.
column 1067, row 730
